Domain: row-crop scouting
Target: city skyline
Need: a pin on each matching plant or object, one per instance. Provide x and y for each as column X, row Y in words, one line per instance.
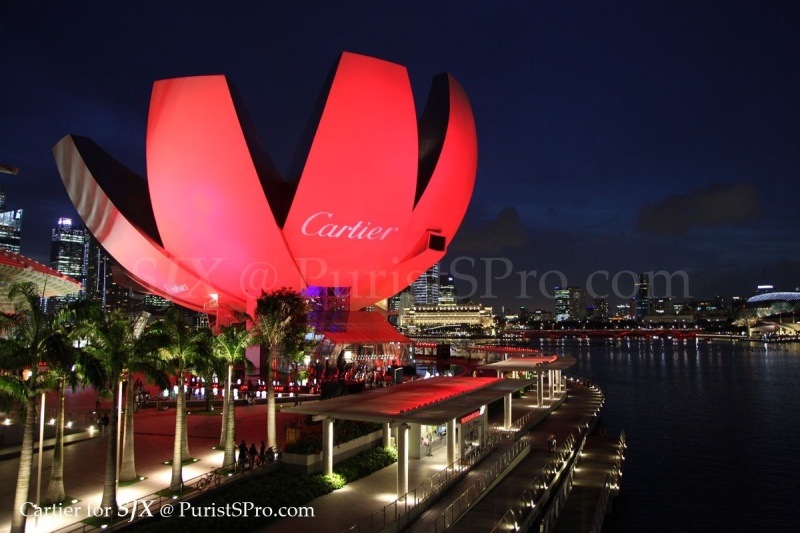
column 611, row 138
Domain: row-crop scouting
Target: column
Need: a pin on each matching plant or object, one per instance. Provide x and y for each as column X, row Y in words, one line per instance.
column 539, row 388
column 507, row 411
column 327, row 446
column 387, row 433
column 451, row 441
column 550, row 384
column 402, row 460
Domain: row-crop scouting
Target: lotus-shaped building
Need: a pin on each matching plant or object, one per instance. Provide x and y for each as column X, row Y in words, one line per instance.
column 374, row 201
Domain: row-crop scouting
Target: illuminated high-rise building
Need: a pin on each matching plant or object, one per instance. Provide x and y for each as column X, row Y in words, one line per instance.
column 643, row 296
column 601, row 311
column 447, row 290
column 426, row 287
column 10, row 225
column 570, row 303
column 68, row 249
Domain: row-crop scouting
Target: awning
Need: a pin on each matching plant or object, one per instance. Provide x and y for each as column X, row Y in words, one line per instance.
column 531, row 364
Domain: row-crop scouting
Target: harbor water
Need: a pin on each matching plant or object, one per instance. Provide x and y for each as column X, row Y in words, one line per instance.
column 713, row 431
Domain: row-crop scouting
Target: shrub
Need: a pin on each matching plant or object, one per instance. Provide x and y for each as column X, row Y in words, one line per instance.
column 343, row 431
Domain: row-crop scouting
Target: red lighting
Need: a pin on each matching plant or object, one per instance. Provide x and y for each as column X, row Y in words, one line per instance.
column 378, row 200
column 467, row 418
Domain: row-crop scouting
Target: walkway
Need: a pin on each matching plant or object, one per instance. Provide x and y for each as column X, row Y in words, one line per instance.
column 368, row 503
column 484, row 515
column 84, row 460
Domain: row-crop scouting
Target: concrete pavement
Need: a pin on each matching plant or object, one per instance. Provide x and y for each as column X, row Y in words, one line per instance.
column 84, row 459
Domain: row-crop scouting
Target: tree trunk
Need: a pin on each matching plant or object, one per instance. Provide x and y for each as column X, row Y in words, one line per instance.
column 127, row 471
column 109, row 501
column 229, row 425
column 176, row 484
column 272, row 440
column 224, row 425
column 25, row 465
column 185, row 455
column 55, row 491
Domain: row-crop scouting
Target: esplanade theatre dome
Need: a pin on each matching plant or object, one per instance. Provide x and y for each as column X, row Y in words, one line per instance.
column 770, row 304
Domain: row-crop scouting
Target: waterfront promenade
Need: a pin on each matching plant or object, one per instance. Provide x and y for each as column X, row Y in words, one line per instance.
column 84, row 458
column 364, row 505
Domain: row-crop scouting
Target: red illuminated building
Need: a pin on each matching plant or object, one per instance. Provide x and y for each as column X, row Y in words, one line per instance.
column 377, row 200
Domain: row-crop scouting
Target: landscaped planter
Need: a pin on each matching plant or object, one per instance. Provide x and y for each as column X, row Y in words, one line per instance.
column 312, row 463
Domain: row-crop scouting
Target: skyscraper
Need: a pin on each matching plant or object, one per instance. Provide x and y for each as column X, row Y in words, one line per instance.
column 68, row 249
column 426, row 287
column 10, row 225
column 570, row 303
column 447, row 290
column 643, row 296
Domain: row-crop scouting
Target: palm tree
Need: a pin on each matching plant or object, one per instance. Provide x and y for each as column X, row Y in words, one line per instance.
column 71, row 367
column 183, row 346
column 30, row 339
column 145, row 361
column 279, row 316
column 111, row 339
column 230, row 345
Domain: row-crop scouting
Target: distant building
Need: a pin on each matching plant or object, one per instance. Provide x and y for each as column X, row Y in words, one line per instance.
column 601, row 310
column 570, row 304
column 10, row 226
column 447, row 290
column 643, row 296
column 426, row 287
column 69, row 250
column 421, row 317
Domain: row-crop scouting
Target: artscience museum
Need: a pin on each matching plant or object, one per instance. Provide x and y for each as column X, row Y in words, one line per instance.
column 215, row 223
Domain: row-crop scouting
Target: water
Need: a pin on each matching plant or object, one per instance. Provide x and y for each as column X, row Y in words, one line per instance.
column 713, row 432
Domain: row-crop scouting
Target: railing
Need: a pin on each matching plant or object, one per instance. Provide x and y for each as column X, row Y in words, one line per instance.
column 531, row 502
column 538, row 496
column 455, row 510
column 520, row 423
column 610, row 486
column 407, row 508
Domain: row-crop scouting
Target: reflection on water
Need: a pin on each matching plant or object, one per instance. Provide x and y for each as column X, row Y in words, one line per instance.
column 712, row 430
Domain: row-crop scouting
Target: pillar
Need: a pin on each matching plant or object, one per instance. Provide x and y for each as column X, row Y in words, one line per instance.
column 539, row 388
column 402, row 460
column 387, row 433
column 327, row 446
column 415, row 441
column 451, row 441
column 507, row 411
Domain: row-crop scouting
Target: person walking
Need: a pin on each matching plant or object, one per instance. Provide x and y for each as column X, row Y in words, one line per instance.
column 253, row 453
column 105, row 420
column 242, row 454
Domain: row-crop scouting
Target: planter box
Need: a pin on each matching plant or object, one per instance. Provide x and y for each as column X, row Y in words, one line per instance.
column 312, row 464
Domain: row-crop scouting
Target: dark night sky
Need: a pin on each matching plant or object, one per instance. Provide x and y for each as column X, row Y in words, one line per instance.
column 613, row 136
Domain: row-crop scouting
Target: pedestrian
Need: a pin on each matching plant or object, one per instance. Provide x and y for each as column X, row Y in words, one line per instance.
column 253, row 453
column 242, row 453
column 105, row 421
column 263, row 453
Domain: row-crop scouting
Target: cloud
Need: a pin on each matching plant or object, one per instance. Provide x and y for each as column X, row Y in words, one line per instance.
column 502, row 232
column 713, row 206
